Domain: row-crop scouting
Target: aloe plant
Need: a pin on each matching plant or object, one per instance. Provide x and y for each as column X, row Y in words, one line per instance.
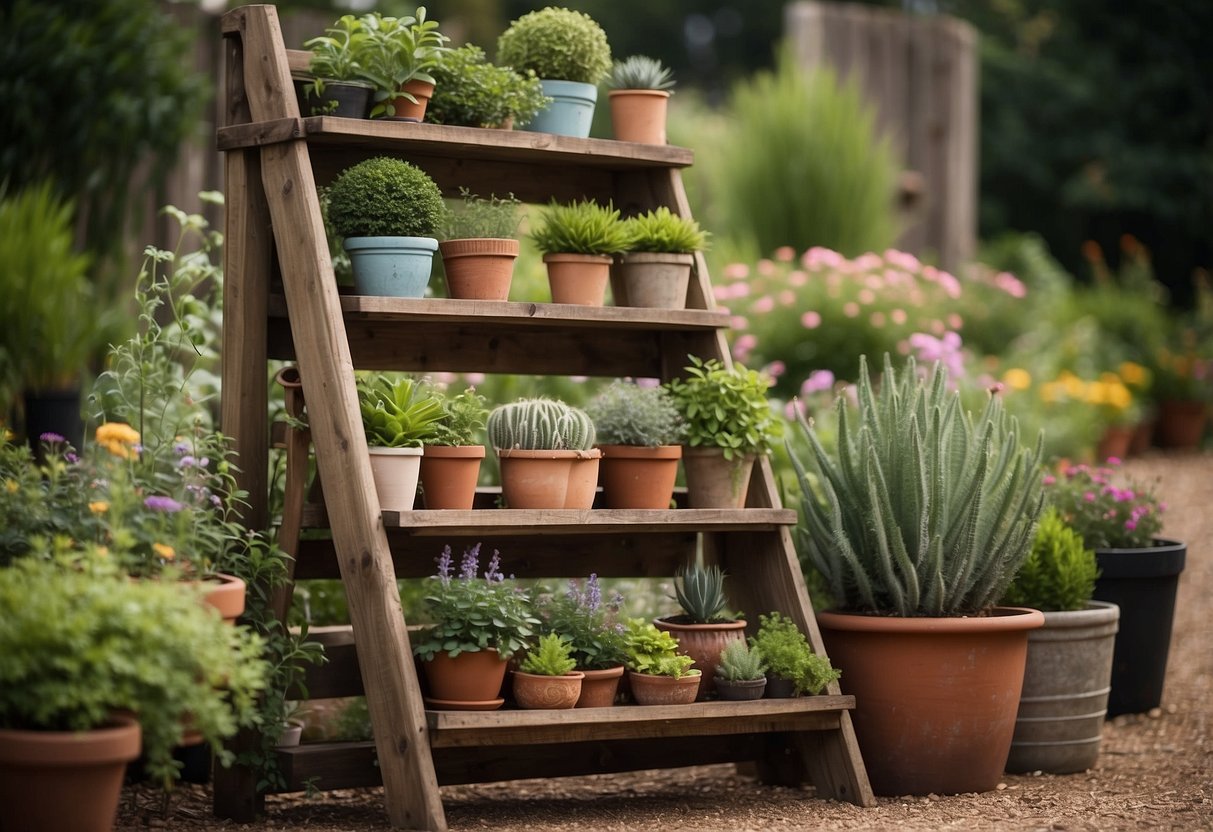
column 923, row 510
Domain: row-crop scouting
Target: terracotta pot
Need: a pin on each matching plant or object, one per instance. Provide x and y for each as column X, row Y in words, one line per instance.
column 396, row 471
column 639, row 115
column 703, row 643
column 406, row 110
column 1180, row 424
column 533, row 691
column 479, row 268
column 225, row 593
column 639, row 477
column 653, row 280
column 599, row 687
column 583, row 479
column 469, row 677
column 449, row 474
column 1114, row 443
column 936, row 698
column 579, row 279
column 740, row 690
column 662, row 690
column 52, row 781
column 716, row 482
column 548, row 479
column 1143, row 434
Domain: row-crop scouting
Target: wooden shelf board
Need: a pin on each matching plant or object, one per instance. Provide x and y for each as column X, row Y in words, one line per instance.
column 592, row 521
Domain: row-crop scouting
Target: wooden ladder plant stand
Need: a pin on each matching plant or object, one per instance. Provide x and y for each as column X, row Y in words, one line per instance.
column 282, row 303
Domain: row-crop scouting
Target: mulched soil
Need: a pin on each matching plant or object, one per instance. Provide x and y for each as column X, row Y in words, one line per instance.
column 1155, row 770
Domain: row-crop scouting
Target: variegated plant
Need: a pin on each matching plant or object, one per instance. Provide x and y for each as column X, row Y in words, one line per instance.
column 923, row 510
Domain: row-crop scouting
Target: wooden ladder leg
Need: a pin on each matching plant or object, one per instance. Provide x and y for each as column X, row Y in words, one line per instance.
column 298, row 443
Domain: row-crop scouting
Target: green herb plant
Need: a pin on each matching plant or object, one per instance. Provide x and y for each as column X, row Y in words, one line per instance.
column 551, row 656
column 462, row 420
column 625, row 413
column 398, row 414
column 1058, row 574
column 589, row 623
column 788, row 655
column 384, row 197
column 471, row 92
column 582, row 227
column 654, row 652
column 662, row 231
column 725, row 407
column 335, row 54
column 640, row 72
column 395, row 51
column 475, row 216
column 741, row 663
column 556, row 44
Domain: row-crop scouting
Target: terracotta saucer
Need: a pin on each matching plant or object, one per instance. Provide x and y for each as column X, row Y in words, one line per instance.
column 460, row 705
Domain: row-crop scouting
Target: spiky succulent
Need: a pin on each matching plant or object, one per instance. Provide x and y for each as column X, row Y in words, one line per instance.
column 741, row 663
column 640, row 72
column 700, row 593
column 540, row 424
column 923, row 510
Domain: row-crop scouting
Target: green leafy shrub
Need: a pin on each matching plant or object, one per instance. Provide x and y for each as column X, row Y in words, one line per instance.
column 1058, row 574
column 788, row 655
column 741, row 663
column 583, row 227
column 336, row 54
column 463, row 417
column 471, row 92
column 399, row 414
column 653, row 651
column 922, row 509
column 725, row 408
column 588, row 622
column 625, row 413
column 384, row 197
column 395, row 51
column 640, row 72
column 662, row 231
column 556, row 44
column 551, row 656
column 540, row 424
column 476, row 216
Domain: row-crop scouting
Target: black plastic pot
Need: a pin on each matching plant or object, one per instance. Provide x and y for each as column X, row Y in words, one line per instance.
column 53, row 411
column 347, row 100
column 1142, row 582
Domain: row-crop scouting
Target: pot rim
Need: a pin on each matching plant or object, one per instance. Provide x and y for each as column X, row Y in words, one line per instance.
column 1002, row 619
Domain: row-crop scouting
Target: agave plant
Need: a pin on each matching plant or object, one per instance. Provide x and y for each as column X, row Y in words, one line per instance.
column 924, row 510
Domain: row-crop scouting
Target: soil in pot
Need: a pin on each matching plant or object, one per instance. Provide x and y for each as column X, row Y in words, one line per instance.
column 533, row 691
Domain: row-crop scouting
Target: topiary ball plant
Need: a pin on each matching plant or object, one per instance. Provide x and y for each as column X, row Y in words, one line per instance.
column 1059, row 573
column 384, row 197
column 558, row 44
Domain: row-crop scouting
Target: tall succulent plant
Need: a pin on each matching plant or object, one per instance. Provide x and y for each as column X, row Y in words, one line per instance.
column 540, row 424
column 924, row 510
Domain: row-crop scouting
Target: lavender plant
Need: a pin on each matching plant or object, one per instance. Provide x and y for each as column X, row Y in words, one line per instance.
column 590, row 625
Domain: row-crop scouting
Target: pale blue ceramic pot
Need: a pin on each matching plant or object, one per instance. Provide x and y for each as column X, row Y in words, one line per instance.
column 397, row 267
column 571, row 110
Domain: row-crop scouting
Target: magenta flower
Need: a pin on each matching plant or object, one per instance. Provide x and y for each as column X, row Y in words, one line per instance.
column 165, row 504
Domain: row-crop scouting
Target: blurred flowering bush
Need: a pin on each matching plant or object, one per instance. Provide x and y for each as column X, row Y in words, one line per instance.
column 1107, row 515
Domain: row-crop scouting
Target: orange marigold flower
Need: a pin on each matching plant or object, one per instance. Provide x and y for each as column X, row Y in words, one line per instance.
column 164, row 551
column 98, row 506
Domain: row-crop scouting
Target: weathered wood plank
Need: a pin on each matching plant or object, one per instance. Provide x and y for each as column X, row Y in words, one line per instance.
column 589, row 521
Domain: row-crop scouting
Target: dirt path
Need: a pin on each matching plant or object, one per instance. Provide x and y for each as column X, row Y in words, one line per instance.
column 1155, row 771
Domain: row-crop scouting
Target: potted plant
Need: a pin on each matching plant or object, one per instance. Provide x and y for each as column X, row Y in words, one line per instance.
column 1138, row 571
column 917, row 523
column 595, row 638
column 387, row 210
column 640, row 89
column 398, row 417
column 657, row 673
column 656, row 268
column 579, row 242
column 704, row 627
column 450, row 463
column 729, row 423
column 471, row 92
column 397, row 55
column 337, row 86
column 545, row 451
column 547, row 677
column 478, row 623
column 1069, row 665
column 639, row 431
column 479, row 246
column 741, row 674
column 792, row 668
column 97, row 666
column 569, row 53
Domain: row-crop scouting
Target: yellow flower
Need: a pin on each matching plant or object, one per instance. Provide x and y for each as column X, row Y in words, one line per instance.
column 1119, row 396
column 1017, row 379
column 164, row 551
column 98, row 506
column 117, row 438
column 8, row 435
column 1133, row 373
column 11, row 486
column 103, row 551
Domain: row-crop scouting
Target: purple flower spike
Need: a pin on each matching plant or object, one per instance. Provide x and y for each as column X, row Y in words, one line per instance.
column 593, row 593
column 71, row 457
column 166, row 504
column 181, row 449
column 470, row 563
column 444, row 565
column 493, row 575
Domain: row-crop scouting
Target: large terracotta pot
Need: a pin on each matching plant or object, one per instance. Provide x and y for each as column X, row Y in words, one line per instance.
column 716, row 482
column 703, row 643
column 653, row 280
column 599, row 687
column 479, row 268
column 579, row 279
column 1115, row 442
column 548, row 479
column 662, row 690
column 639, row 477
column 53, row 781
column 449, row 474
column 639, row 115
column 935, row 698
column 470, row 680
column 583, row 479
column 533, row 691
column 396, row 471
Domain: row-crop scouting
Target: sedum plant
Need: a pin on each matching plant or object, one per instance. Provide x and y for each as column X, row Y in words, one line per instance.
column 625, row 413
column 476, row 216
column 551, row 656
column 384, row 197
column 1060, row 571
column 665, row 232
column 700, row 592
column 540, row 424
column 556, row 44
column 399, row 414
column 471, row 92
column 582, row 227
column 725, row 407
column 741, row 663
column 640, row 72
column 654, row 652
column 924, row 509
column 788, row 655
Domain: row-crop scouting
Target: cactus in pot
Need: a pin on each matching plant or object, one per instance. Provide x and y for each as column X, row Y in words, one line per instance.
column 550, row 435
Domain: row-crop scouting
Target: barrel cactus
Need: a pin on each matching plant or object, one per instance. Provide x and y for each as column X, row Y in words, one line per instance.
column 540, row 424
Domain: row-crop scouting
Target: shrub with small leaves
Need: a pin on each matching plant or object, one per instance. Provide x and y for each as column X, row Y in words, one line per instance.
column 1059, row 573
column 552, row 656
column 789, row 656
column 471, row 92
column 556, row 44
column 384, row 197
column 664, row 232
column 625, row 413
column 741, row 663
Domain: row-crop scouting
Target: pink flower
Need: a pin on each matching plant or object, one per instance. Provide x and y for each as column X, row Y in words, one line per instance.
column 955, row 321
column 736, row 271
column 785, row 254
column 817, row 381
column 763, row 305
column 1113, row 460
column 850, row 309
column 793, row 410
column 474, row 379
column 787, row 297
column 775, row 369
column 877, row 319
column 866, row 296
column 739, row 322
column 1089, row 496
column 810, row 319
column 765, row 267
column 898, row 316
column 1049, row 479
column 797, row 278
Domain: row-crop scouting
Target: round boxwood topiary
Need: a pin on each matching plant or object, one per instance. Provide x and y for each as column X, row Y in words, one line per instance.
column 384, row 197
column 556, row 44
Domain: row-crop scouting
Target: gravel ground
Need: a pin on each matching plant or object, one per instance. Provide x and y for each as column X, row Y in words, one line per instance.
column 1155, row 772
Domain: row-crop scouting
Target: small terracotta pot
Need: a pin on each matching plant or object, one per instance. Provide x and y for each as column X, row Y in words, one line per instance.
column 716, row 482
column 579, row 279
column 449, row 474
column 479, row 268
column 651, row 279
column 639, row 115
column 469, row 677
column 639, row 477
column 533, row 691
column 740, row 690
column 599, row 687
column 662, row 690
column 395, row 471
column 406, row 110
column 1114, row 443
column 703, row 643
column 225, row 593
